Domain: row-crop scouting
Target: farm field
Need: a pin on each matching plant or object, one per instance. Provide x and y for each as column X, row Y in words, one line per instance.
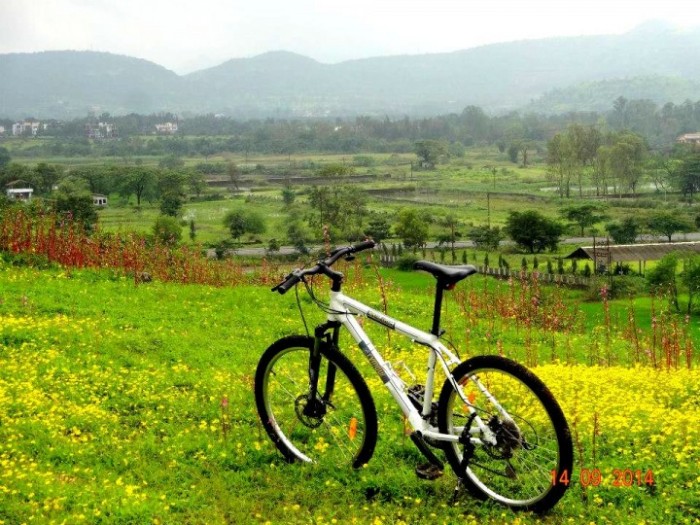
column 133, row 404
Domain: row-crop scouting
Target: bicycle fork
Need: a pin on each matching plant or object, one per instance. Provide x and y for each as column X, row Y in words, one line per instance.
column 325, row 336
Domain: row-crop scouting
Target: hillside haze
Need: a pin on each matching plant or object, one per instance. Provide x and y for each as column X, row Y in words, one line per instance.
column 556, row 74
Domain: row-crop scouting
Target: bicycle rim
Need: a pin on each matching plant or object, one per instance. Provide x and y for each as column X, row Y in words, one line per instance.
column 533, row 439
column 342, row 431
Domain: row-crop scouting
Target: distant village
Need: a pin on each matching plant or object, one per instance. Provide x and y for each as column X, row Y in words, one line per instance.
column 93, row 130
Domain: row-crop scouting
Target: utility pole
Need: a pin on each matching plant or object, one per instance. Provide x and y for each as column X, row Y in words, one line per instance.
column 488, row 209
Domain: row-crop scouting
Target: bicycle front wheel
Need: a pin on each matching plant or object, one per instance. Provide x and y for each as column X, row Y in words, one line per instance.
column 338, row 427
column 533, row 442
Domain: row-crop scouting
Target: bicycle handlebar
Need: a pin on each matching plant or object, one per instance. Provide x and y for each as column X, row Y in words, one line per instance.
column 323, row 266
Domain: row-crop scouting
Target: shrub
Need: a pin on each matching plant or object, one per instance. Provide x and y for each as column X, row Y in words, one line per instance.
column 406, row 262
column 167, row 230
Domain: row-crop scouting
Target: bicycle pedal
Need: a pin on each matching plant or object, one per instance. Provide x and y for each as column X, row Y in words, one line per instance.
column 429, row 471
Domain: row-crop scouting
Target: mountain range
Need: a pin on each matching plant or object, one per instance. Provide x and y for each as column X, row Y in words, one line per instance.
column 548, row 75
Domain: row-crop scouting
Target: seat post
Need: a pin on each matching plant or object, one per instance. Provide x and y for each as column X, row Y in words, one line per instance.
column 437, row 309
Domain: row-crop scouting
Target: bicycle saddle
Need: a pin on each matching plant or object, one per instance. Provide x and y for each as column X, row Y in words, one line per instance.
column 447, row 276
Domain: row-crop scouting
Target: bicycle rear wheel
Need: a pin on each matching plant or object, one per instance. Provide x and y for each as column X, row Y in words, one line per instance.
column 533, row 437
column 338, row 427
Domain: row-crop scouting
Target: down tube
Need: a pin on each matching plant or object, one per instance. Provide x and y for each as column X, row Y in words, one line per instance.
column 387, row 375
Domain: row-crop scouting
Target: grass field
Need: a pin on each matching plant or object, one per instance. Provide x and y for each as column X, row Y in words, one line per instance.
column 464, row 187
column 111, row 406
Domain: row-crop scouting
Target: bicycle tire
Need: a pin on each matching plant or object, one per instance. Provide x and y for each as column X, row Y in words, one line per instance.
column 350, row 421
column 539, row 444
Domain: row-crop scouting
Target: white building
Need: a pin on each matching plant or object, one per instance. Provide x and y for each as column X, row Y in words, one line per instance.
column 99, row 200
column 689, row 138
column 20, row 194
column 27, row 127
column 167, row 128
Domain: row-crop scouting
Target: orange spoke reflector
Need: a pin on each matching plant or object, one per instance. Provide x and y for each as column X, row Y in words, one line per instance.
column 471, row 397
column 352, row 430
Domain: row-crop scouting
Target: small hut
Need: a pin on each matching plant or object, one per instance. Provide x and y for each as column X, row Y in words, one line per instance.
column 604, row 255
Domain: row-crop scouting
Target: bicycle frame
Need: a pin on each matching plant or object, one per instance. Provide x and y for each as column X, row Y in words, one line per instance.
column 345, row 309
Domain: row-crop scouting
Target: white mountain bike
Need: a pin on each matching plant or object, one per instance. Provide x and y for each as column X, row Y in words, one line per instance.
column 500, row 428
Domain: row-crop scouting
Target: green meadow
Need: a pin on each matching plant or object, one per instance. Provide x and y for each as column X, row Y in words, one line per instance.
column 124, row 403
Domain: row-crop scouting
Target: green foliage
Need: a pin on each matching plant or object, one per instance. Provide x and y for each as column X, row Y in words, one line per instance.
column 273, row 246
column 171, row 162
column 690, row 278
column 662, row 278
column 4, row 158
column 193, row 230
column 78, row 206
column 240, row 222
column 364, row 161
column 411, row 228
column 513, row 151
column 687, row 175
column 298, row 236
column 342, row 208
column 532, row 231
column 167, row 230
column 378, row 228
column 625, row 231
column 429, row 152
column 625, row 157
column 405, row 262
column 288, row 196
column 584, row 215
column 138, row 181
column 170, row 205
column 667, row 224
column 335, row 170
column 196, row 182
column 485, row 237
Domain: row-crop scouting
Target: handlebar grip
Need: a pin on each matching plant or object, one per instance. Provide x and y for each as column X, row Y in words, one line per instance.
column 364, row 245
column 287, row 284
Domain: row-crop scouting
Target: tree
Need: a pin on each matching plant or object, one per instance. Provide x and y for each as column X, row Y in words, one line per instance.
column 378, row 228
column 625, row 159
column 137, row 181
column 687, row 176
column 667, row 224
column 532, row 231
column 167, row 230
column 559, row 164
column 429, row 152
column 234, row 174
column 73, row 199
column 584, row 215
column 171, row 162
column 513, row 151
column 240, row 222
column 486, row 237
column 288, row 196
column 690, row 277
column 411, row 228
column 451, row 223
column 662, row 278
column 570, row 154
column 4, row 158
column 625, row 231
column 170, row 205
column 46, row 177
column 170, row 186
column 335, row 170
column 340, row 208
column 298, row 236
column 196, row 182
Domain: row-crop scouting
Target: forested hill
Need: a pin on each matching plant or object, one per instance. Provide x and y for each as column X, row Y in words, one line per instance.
column 571, row 73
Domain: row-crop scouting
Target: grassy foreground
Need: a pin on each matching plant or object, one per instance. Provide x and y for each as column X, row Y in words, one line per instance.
column 111, row 412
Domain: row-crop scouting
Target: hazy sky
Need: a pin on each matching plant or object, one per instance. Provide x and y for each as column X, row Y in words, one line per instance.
column 184, row 36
